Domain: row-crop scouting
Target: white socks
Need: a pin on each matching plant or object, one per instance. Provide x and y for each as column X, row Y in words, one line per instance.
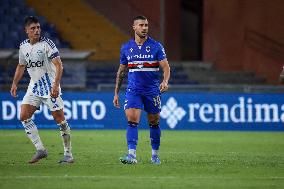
column 65, row 134
column 155, row 152
column 32, row 133
column 132, row 152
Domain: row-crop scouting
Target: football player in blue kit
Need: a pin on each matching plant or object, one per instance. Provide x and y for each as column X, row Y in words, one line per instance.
column 142, row 57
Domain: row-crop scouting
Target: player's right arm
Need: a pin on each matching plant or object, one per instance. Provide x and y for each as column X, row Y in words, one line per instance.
column 120, row 75
column 281, row 77
column 17, row 77
column 119, row 79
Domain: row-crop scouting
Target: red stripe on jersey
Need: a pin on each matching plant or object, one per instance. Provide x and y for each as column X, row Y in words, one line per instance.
column 145, row 65
column 132, row 65
column 148, row 65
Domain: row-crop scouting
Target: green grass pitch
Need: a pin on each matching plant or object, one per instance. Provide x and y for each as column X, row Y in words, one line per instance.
column 190, row 159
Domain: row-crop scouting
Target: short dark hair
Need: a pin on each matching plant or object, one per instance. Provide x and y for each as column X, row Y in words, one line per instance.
column 31, row 19
column 140, row 17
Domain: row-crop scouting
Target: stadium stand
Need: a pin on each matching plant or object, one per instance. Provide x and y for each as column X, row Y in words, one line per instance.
column 12, row 14
column 205, row 73
column 102, row 75
column 74, row 72
column 85, row 29
column 88, row 30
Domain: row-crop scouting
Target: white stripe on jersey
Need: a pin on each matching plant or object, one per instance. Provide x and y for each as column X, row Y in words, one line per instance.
column 141, row 62
column 144, row 70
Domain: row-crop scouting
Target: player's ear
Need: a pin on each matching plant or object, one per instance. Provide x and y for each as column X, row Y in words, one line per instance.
column 26, row 29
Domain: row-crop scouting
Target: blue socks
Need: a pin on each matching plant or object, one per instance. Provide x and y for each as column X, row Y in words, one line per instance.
column 155, row 135
column 132, row 135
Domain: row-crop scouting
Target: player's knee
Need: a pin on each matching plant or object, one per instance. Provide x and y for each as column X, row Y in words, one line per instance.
column 133, row 119
column 154, row 124
column 24, row 117
column 58, row 116
column 153, row 121
column 26, row 121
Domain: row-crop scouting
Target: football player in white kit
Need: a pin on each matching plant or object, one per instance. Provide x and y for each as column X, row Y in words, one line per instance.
column 41, row 58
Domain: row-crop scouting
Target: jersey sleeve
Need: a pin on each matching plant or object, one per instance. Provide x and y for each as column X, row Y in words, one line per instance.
column 123, row 59
column 161, row 55
column 52, row 51
column 22, row 59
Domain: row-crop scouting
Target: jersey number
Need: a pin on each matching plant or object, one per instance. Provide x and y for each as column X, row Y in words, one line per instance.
column 157, row 101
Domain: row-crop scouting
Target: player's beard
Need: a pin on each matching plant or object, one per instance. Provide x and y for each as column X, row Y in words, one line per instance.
column 142, row 35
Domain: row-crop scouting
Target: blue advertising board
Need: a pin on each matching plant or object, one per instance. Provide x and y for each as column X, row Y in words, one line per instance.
column 180, row 111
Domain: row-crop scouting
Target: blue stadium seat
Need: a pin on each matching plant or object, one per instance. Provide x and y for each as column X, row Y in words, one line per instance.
column 12, row 15
column 15, row 11
column 4, row 3
column 18, row 3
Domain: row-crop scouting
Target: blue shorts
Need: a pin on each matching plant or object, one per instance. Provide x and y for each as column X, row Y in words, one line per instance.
column 151, row 103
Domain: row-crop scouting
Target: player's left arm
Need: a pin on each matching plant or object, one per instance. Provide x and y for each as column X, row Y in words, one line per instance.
column 164, row 64
column 58, row 74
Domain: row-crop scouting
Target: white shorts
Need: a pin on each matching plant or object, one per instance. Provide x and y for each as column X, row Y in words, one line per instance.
column 52, row 103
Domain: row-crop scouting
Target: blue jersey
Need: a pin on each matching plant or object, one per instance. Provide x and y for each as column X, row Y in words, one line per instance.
column 143, row 64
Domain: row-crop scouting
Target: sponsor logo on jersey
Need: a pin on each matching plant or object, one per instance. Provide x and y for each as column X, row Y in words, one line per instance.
column 32, row 64
column 142, row 56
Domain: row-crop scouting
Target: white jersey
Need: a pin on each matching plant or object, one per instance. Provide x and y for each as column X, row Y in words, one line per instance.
column 37, row 59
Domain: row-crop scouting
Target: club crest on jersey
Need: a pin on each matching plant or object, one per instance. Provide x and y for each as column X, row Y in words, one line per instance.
column 131, row 49
column 148, row 49
column 39, row 52
column 27, row 55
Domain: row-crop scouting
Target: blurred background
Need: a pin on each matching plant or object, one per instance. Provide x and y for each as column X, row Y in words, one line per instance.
column 232, row 47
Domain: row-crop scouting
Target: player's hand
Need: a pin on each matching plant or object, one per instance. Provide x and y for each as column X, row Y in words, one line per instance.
column 54, row 91
column 116, row 101
column 281, row 77
column 164, row 87
column 13, row 90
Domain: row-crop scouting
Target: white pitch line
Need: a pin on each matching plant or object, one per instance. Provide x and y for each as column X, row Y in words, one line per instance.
column 82, row 177
column 138, row 177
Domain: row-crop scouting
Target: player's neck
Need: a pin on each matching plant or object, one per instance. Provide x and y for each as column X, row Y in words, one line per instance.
column 139, row 40
column 33, row 41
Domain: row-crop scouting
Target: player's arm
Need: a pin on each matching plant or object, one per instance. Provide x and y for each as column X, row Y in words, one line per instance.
column 58, row 74
column 119, row 79
column 281, row 77
column 166, row 75
column 17, row 77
